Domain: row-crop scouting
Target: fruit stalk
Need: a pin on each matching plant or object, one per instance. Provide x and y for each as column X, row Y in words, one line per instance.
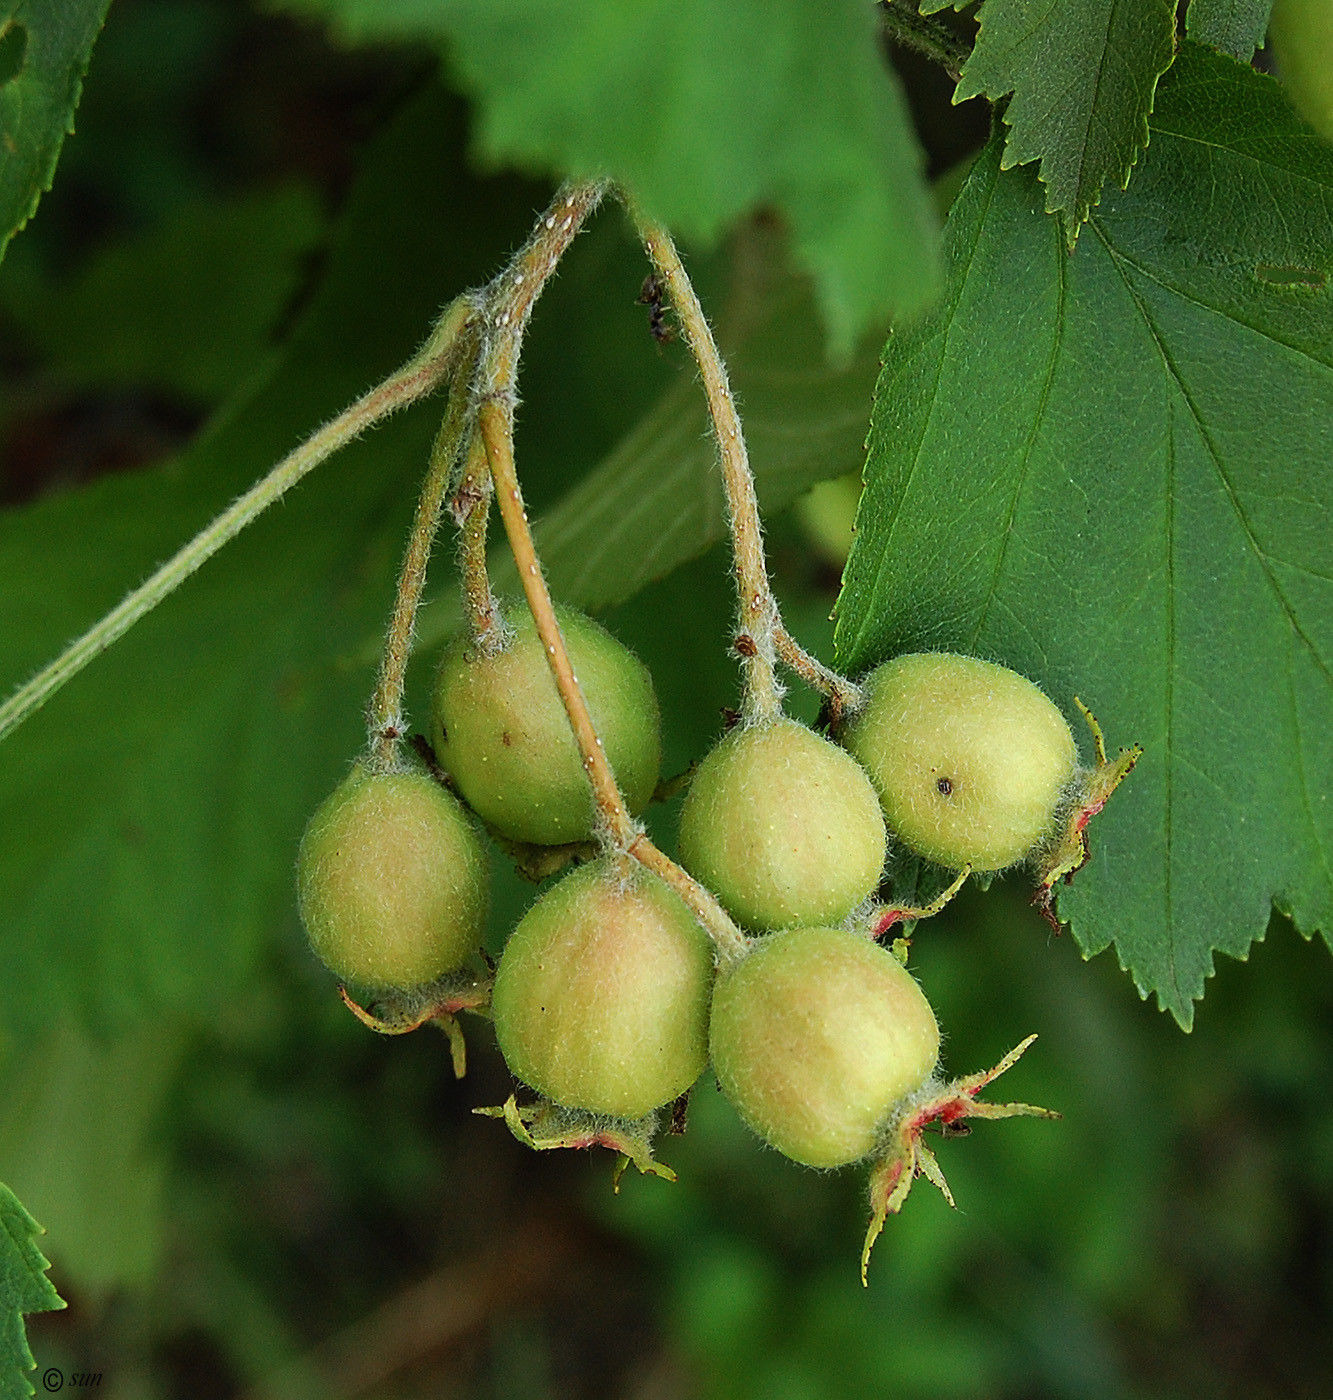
column 471, row 509
column 386, row 721
column 757, row 641
column 845, row 697
column 417, row 378
column 619, row 828
column 508, row 305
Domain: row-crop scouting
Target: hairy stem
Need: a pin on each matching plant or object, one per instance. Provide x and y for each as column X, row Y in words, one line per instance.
column 418, row 377
column 756, row 640
column 386, row 720
column 509, row 306
column 913, row 30
column 614, row 816
column 729, row 942
column 844, row 696
column 471, row 507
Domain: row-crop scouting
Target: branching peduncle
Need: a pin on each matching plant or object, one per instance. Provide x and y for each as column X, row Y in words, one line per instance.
column 418, row 377
column 756, row 642
column 509, row 302
column 386, row 721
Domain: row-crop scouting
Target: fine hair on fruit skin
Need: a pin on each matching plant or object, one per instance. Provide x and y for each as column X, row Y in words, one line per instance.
column 392, row 880
column 971, row 760
column 816, row 1038
column 601, row 997
column 783, row 826
column 499, row 729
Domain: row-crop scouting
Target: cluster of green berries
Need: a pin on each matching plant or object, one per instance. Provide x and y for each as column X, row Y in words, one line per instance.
column 608, row 1000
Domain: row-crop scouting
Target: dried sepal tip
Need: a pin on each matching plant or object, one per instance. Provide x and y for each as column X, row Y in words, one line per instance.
column 545, row 1126
column 906, row 1156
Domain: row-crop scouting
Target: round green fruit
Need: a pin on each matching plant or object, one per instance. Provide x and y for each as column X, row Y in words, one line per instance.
column 817, row 1036
column 783, row 827
column 499, row 729
column 392, row 880
column 601, row 997
column 970, row 759
column 1301, row 32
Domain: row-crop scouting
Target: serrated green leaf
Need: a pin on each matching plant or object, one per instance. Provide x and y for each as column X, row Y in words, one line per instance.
column 1082, row 74
column 655, row 501
column 1236, row 27
column 24, row 1288
column 1110, row 471
column 47, row 44
column 704, row 111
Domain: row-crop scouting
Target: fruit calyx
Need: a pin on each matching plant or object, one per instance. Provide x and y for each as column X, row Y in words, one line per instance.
column 545, row 1126
column 905, row 1156
column 1069, row 852
column 400, row 1013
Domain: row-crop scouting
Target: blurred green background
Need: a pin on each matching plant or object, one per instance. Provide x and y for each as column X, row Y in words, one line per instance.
column 246, row 1193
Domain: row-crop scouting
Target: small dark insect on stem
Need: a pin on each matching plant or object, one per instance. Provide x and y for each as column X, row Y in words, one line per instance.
column 650, row 295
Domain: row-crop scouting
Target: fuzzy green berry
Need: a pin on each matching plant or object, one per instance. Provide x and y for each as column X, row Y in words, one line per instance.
column 499, row 729
column 783, row 826
column 970, row 760
column 817, row 1036
column 601, row 996
column 392, row 879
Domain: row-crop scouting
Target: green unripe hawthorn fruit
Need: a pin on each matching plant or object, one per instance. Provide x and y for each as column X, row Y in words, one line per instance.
column 1301, row 32
column 783, row 826
column 969, row 758
column 392, row 879
column 500, row 730
column 817, row 1036
column 601, row 996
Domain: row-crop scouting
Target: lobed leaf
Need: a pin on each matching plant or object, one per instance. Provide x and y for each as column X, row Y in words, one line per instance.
column 44, row 50
column 1082, row 74
column 1110, row 471
column 705, row 111
column 24, row 1288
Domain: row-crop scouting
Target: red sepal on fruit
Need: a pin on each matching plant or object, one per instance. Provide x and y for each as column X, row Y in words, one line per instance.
column 1069, row 852
column 907, row 1157
column 545, row 1126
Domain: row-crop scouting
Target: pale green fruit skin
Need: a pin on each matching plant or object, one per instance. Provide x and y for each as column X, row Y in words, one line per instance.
column 601, row 996
column 392, row 880
column 1003, row 749
column 783, row 826
column 1301, row 33
column 817, row 1036
column 499, row 729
